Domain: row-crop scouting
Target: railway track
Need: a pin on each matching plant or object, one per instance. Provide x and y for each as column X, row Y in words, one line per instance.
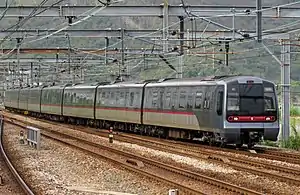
column 10, row 166
column 280, row 154
column 155, row 166
column 271, row 154
column 283, row 173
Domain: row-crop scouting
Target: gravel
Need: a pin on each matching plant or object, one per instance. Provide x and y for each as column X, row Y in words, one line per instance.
column 57, row 169
column 221, row 172
column 9, row 183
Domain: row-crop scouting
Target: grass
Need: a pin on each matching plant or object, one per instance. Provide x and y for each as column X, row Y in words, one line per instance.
column 270, row 143
column 294, row 140
column 295, row 111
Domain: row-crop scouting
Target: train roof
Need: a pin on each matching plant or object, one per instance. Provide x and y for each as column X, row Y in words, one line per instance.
column 211, row 80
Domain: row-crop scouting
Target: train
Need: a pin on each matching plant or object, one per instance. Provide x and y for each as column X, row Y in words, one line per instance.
column 219, row 110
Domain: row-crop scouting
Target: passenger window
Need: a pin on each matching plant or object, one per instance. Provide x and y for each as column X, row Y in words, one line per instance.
column 182, row 100
column 102, row 99
column 107, row 98
column 190, row 101
column 174, row 100
column 154, row 100
column 168, row 100
column 122, row 99
column 208, row 96
column 131, row 98
column 127, row 98
column 112, row 98
column 198, row 100
column 137, row 98
column 117, row 98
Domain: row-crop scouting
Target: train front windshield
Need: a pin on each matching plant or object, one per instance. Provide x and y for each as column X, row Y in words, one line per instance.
column 251, row 100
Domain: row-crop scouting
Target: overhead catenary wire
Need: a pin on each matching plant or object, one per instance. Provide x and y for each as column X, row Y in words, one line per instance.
column 73, row 24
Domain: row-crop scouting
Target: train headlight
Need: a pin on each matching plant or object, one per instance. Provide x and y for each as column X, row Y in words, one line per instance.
column 270, row 118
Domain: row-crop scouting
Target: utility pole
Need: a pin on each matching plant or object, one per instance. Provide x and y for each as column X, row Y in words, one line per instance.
column 123, row 54
column 233, row 23
column 285, row 74
column 259, row 20
column 39, row 75
column 19, row 40
column 31, row 73
column 105, row 51
column 181, row 55
column 165, row 25
column 18, row 61
column 226, row 52
column 10, row 76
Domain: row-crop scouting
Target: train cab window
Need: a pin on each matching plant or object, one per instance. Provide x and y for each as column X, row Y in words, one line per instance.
column 269, row 97
column 233, row 102
column 198, row 100
column 182, row 99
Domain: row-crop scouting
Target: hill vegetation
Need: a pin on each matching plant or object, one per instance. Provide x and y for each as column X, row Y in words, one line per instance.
column 247, row 57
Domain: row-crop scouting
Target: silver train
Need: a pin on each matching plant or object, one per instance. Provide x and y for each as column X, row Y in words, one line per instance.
column 220, row 110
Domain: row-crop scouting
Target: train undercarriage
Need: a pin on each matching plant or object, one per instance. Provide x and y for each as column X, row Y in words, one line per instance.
column 213, row 139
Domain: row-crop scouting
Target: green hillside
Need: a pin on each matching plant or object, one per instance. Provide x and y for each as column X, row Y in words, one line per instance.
column 245, row 57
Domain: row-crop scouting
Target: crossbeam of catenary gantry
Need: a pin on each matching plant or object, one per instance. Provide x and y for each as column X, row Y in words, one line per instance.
column 152, row 10
column 49, row 60
column 116, row 33
column 84, row 51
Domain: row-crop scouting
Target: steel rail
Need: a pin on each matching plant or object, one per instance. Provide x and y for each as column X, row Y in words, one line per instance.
column 22, row 183
column 196, row 176
column 215, row 157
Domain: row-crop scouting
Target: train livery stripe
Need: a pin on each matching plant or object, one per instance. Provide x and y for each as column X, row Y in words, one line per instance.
column 128, row 109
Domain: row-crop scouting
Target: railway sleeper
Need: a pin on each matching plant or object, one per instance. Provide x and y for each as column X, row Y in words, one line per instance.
column 1, row 181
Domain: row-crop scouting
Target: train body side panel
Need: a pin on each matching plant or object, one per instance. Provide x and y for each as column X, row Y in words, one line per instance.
column 168, row 107
column 11, row 98
column 119, row 104
column 23, row 99
column 79, row 101
column 34, row 100
column 51, row 101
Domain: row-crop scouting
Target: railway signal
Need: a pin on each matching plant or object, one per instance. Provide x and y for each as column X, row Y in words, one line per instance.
column 110, row 135
column 21, row 137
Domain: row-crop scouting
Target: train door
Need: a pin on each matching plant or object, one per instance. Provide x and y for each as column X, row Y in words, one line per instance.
column 219, row 107
column 198, row 104
column 174, row 104
column 206, row 105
